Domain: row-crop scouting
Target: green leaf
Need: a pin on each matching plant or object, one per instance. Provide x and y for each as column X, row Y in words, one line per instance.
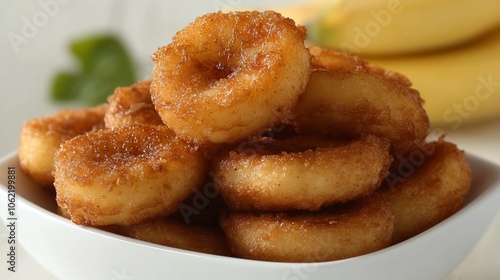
column 104, row 64
column 61, row 84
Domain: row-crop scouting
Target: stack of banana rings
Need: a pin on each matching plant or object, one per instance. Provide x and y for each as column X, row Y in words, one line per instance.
column 248, row 142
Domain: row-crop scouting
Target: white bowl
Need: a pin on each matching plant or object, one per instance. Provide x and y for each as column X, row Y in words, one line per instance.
column 70, row 251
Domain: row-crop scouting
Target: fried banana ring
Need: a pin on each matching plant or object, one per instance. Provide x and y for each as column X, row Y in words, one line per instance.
column 228, row 75
column 131, row 105
column 345, row 99
column 125, row 175
column 343, row 231
column 285, row 177
column 172, row 233
column 322, row 58
column 41, row 137
column 427, row 186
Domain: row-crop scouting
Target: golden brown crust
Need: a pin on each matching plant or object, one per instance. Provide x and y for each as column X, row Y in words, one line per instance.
column 288, row 176
column 41, row 137
column 228, row 75
column 346, row 97
column 328, row 59
column 426, row 186
column 125, row 175
column 341, row 232
column 131, row 105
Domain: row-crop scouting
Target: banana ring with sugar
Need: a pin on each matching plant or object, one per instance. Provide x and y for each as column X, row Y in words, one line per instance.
column 301, row 174
column 426, row 186
column 125, row 175
column 339, row 232
column 41, row 137
column 347, row 97
column 131, row 105
column 228, row 75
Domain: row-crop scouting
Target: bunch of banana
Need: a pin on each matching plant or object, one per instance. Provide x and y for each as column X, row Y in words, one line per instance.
column 449, row 49
column 460, row 85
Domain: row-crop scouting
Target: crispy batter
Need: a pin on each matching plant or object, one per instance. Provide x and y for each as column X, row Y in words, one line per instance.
column 346, row 97
column 426, row 186
column 340, row 232
column 297, row 176
column 125, row 175
column 322, row 58
column 228, row 75
column 131, row 105
column 41, row 137
column 173, row 233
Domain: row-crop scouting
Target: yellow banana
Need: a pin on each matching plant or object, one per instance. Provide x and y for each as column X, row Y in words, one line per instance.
column 388, row 27
column 460, row 85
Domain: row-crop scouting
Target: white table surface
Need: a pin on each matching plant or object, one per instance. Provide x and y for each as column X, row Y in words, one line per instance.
column 25, row 72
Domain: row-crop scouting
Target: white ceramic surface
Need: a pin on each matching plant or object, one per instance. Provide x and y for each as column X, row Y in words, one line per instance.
column 69, row 251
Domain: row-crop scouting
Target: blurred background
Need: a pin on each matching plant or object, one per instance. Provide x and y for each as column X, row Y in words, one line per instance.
column 458, row 77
